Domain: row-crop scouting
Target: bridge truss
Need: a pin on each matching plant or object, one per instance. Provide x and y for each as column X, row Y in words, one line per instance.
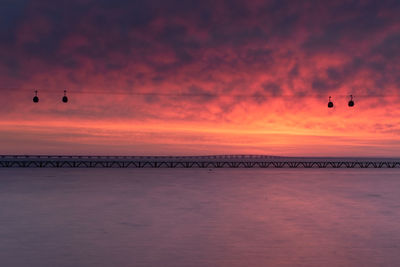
column 211, row 162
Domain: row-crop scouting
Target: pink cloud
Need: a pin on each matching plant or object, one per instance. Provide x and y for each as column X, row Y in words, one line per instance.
column 267, row 67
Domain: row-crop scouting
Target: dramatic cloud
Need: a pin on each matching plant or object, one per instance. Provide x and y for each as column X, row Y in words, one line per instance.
column 213, row 76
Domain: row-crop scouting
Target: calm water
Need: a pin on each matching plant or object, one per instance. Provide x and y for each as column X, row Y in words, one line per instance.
column 197, row 217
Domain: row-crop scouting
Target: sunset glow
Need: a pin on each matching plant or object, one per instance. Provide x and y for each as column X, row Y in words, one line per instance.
column 200, row 77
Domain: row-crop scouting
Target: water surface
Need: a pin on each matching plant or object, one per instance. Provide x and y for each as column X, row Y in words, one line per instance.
column 199, row 217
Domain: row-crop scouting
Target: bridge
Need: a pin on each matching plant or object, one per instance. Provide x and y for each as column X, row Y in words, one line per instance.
column 214, row 161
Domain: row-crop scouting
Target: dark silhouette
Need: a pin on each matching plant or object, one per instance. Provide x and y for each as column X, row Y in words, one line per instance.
column 351, row 102
column 35, row 98
column 330, row 103
column 65, row 98
column 209, row 162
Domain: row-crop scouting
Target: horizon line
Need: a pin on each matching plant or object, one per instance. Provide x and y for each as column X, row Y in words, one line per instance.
column 215, row 156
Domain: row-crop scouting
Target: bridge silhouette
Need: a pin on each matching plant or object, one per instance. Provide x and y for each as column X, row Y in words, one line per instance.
column 213, row 161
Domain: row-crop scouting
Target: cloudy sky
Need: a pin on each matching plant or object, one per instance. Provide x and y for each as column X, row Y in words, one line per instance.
column 161, row 77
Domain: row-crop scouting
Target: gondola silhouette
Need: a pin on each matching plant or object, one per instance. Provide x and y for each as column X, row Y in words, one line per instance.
column 35, row 98
column 65, row 98
column 330, row 103
column 351, row 102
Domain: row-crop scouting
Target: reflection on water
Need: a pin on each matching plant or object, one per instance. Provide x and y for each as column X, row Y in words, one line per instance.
column 198, row 217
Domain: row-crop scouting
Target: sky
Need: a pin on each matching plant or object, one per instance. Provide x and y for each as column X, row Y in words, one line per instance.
column 186, row 77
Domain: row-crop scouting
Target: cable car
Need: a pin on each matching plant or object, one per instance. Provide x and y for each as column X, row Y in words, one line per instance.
column 330, row 103
column 35, row 98
column 65, row 98
column 351, row 102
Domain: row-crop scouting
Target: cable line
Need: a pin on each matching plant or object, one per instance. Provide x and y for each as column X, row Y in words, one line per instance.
column 194, row 94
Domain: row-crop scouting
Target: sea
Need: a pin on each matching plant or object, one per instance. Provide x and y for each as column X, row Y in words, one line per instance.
column 199, row 217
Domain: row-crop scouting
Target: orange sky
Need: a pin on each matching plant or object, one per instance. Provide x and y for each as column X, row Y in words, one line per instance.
column 200, row 78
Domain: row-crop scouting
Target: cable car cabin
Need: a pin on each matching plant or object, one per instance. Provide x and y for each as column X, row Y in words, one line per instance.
column 35, row 98
column 330, row 103
column 65, row 98
column 351, row 102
